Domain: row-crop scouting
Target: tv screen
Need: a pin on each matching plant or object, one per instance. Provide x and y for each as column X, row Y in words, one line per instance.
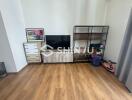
column 56, row 41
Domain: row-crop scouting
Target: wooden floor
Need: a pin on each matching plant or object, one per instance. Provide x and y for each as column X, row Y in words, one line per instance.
column 62, row 82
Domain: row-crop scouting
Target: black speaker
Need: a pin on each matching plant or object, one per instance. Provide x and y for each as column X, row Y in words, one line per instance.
column 3, row 72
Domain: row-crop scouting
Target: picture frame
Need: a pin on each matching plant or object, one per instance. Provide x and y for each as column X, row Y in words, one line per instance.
column 35, row 34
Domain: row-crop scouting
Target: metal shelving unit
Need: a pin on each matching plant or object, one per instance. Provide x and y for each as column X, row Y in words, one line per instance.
column 91, row 35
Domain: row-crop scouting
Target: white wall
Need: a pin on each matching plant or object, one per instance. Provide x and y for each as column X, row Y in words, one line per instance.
column 117, row 17
column 54, row 15
column 59, row 16
column 5, row 50
column 101, row 11
column 14, row 25
column 96, row 12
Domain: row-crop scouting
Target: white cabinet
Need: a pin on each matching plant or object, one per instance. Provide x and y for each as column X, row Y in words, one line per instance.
column 57, row 57
column 32, row 52
column 68, row 57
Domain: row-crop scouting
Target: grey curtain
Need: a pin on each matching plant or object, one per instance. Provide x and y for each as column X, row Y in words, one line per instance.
column 125, row 58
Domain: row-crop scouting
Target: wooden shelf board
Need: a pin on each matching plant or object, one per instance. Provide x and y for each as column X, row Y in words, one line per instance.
column 91, row 33
column 81, row 61
column 90, row 26
column 35, row 40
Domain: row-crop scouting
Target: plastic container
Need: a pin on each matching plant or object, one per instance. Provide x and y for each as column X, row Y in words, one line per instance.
column 96, row 60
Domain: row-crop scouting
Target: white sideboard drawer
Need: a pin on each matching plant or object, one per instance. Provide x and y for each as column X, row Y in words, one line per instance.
column 33, row 61
column 32, row 52
column 33, row 56
column 30, row 45
column 58, row 57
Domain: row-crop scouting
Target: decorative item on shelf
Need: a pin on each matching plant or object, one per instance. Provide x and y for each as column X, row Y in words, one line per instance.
column 35, row 34
column 96, row 46
column 82, row 50
column 109, row 65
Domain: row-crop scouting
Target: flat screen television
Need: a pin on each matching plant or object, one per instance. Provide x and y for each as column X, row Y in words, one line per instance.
column 56, row 41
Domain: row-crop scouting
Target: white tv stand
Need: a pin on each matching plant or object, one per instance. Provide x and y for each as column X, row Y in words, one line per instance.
column 54, row 56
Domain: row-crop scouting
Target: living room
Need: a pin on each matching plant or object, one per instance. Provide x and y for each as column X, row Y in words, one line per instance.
column 65, row 49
